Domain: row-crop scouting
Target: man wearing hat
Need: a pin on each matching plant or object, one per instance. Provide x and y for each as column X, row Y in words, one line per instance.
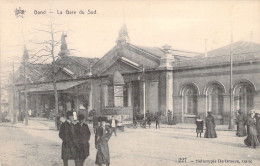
column 82, row 140
column 102, row 136
column 67, row 134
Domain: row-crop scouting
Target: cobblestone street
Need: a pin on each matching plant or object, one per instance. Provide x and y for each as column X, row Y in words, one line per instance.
column 38, row 144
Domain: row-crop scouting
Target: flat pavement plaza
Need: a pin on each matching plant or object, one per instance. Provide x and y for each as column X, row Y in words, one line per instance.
column 37, row 145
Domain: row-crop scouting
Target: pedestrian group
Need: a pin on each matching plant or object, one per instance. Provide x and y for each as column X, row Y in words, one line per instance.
column 247, row 125
column 75, row 137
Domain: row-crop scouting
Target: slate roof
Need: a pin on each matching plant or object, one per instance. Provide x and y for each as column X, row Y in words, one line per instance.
column 83, row 62
column 242, row 51
column 34, row 72
column 86, row 62
column 181, row 54
column 240, row 47
column 147, row 57
column 40, row 68
column 45, row 87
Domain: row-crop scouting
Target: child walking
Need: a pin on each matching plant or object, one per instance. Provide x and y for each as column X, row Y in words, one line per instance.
column 199, row 124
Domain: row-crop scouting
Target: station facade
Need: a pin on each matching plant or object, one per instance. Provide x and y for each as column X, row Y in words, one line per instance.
column 130, row 77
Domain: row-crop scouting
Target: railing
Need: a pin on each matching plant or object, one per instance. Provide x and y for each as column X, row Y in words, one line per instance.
column 120, row 113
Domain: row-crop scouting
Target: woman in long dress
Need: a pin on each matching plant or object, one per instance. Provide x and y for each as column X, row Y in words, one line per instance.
column 251, row 139
column 241, row 130
column 210, row 127
column 257, row 116
column 102, row 136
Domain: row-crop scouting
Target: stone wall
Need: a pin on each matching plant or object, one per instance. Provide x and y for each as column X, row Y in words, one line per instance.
column 202, row 77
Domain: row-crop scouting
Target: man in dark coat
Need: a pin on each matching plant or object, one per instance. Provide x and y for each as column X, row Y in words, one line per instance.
column 103, row 134
column 57, row 121
column 210, row 127
column 67, row 134
column 169, row 115
column 148, row 118
column 157, row 119
column 199, row 124
column 82, row 140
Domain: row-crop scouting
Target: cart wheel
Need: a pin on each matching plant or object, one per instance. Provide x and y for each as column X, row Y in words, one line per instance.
column 129, row 125
column 143, row 125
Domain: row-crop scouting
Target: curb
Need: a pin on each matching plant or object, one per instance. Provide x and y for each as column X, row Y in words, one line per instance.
column 54, row 129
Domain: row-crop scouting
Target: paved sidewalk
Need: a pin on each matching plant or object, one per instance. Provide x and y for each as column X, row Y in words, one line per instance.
column 193, row 127
column 46, row 124
column 32, row 124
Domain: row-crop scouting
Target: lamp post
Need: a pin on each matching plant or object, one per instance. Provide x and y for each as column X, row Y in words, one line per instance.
column 231, row 120
column 25, row 92
column 14, row 110
column 143, row 79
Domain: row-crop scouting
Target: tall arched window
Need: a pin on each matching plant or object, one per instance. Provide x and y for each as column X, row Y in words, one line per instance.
column 215, row 99
column 244, row 97
column 190, row 100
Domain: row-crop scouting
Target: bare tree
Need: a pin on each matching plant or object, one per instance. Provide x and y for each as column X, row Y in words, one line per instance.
column 48, row 52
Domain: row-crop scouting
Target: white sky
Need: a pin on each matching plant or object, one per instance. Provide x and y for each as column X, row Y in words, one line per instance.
column 181, row 24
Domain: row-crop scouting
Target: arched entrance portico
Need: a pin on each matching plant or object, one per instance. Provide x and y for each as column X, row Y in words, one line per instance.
column 244, row 92
column 215, row 100
column 189, row 94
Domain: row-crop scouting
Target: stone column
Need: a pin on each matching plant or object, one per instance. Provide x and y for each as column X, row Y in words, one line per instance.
column 90, row 102
column 166, row 81
column 169, row 92
column 226, row 110
column 129, row 95
column 141, row 98
column 105, row 93
column 202, row 105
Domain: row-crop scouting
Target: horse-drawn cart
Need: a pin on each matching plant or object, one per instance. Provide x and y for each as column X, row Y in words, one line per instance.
column 139, row 119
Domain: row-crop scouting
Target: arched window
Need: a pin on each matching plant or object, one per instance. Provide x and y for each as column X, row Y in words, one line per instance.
column 244, row 97
column 215, row 99
column 190, row 100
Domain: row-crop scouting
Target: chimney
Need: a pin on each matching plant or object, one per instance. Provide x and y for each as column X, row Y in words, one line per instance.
column 167, row 59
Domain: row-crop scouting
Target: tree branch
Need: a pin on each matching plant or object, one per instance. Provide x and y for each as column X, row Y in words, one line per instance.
column 57, row 32
column 46, row 59
column 43, row 30
column 41, row 50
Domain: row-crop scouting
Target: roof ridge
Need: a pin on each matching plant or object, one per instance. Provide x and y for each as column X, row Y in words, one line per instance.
column 185, row 51
column 142, row 50
column 234, row 43
column 77, row 62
